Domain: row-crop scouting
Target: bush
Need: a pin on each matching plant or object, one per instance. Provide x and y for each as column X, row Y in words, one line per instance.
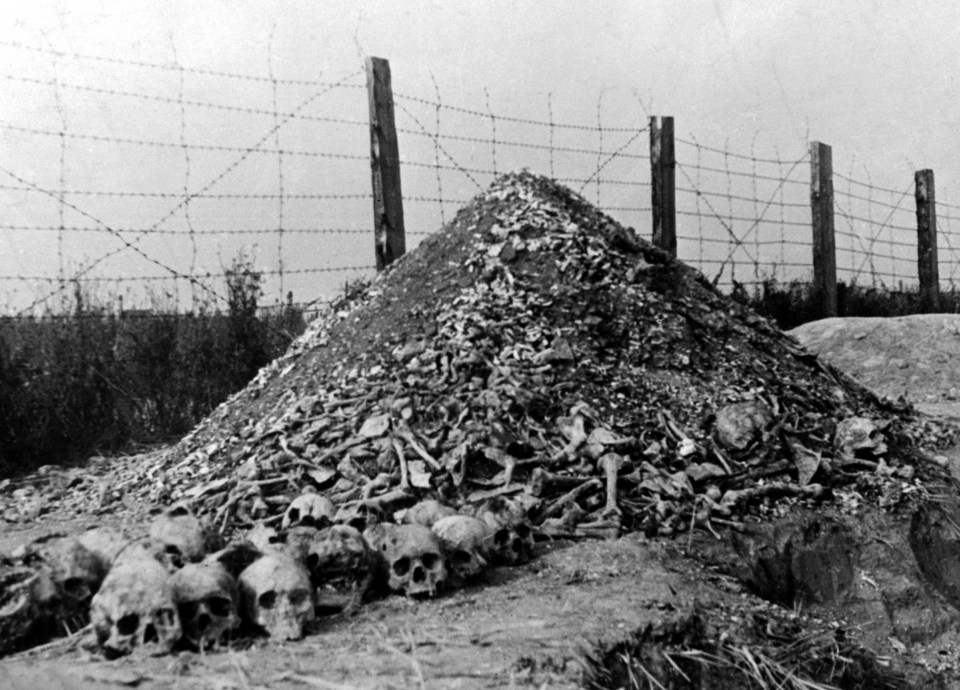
column 94, row 381
column 795, row 303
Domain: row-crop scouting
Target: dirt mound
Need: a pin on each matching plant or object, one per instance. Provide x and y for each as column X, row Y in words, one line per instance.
column 909, row 357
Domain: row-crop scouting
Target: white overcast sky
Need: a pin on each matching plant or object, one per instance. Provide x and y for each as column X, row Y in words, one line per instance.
column 877, row 79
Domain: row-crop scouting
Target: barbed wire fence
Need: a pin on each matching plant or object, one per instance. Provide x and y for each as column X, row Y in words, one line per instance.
column 180, row 241
column 186, row 182
column 748, row 217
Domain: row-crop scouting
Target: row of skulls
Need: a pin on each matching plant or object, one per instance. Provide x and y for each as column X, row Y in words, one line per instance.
column 181, row 587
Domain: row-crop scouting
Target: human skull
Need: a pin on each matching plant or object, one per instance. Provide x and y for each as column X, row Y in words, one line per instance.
column 207, row 602
column 311, row 510
column 134, row 609
column 76, row 574
column 464, row 539
column 739, row 425
column 512, row 540
column 105, row 543
column 860, row 436
column 297, row 540
column 360, row 515
column 263, row 537
column 179, row 536
column 412, row 556
column 427, row 512
column 342, row 567
column 277, row 596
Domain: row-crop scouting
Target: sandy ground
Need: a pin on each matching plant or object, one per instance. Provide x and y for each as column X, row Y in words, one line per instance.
column 916, row 357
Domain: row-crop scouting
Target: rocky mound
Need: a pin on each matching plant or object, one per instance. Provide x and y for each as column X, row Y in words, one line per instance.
column 535, row 346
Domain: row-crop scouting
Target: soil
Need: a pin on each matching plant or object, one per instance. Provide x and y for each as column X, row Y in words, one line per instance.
column 836, row 566
column 913, row 357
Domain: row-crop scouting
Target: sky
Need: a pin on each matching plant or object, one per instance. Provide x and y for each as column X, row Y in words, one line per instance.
column 876, row 79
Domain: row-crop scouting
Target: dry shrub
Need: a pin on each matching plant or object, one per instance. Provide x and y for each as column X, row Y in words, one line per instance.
column 794, row 303
column 91, row 380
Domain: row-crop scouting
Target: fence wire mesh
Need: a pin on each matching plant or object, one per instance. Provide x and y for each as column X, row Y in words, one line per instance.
column 876, row 233
column 742, row 218
column 137, row 195
column 145, row 196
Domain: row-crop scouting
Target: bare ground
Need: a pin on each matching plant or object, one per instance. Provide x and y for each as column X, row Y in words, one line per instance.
column 523, row 627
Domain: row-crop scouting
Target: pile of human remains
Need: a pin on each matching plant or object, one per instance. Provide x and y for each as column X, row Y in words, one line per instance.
column 535, row 347
column 534, row 369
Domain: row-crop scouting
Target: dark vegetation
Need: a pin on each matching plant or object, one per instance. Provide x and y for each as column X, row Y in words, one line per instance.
column 93, row 380
column 795, row 303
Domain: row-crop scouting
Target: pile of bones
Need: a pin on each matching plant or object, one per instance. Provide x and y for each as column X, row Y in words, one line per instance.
column 564, row 379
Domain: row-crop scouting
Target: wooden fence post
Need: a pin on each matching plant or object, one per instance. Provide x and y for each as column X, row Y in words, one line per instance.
column 389, row 236
column 928, row 269
column 824, row 242
column 663, row 193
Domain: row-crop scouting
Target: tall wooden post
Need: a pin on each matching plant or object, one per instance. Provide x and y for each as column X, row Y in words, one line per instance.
column 824, row 242
column 389, row 236
column 663, row 193
column 927, row 269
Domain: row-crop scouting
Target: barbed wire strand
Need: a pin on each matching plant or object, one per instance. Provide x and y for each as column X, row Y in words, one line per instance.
column 276, row 141
column 600, row 144
column 436, row 148
column 113, row 232
column 550, row 114
column 62, row 181
column 194, row 295
column 728, row 226
column 756, row 208
column 610, row 158
column 699, row 213
column 493, row 130
column 455, row 165
column 189, row 102
column 179, row 145
column 162, row 66
column 199, row 232
column 783, row 256
column 169, row 214
column 505, row 118
column 729, row 192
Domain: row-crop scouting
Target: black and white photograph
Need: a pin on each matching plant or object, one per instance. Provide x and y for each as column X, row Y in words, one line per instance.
column 469, row 344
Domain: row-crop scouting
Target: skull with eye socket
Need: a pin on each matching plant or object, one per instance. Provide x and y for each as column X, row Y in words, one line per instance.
column 277, row 596
column 464, row 540
column 180, row 538
column 207, row 602
column 342, row 567
column 308, row 510
column 411, row 556
column 361, row 515
column 75, row 572
column 134, row 609
column 512, row 539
